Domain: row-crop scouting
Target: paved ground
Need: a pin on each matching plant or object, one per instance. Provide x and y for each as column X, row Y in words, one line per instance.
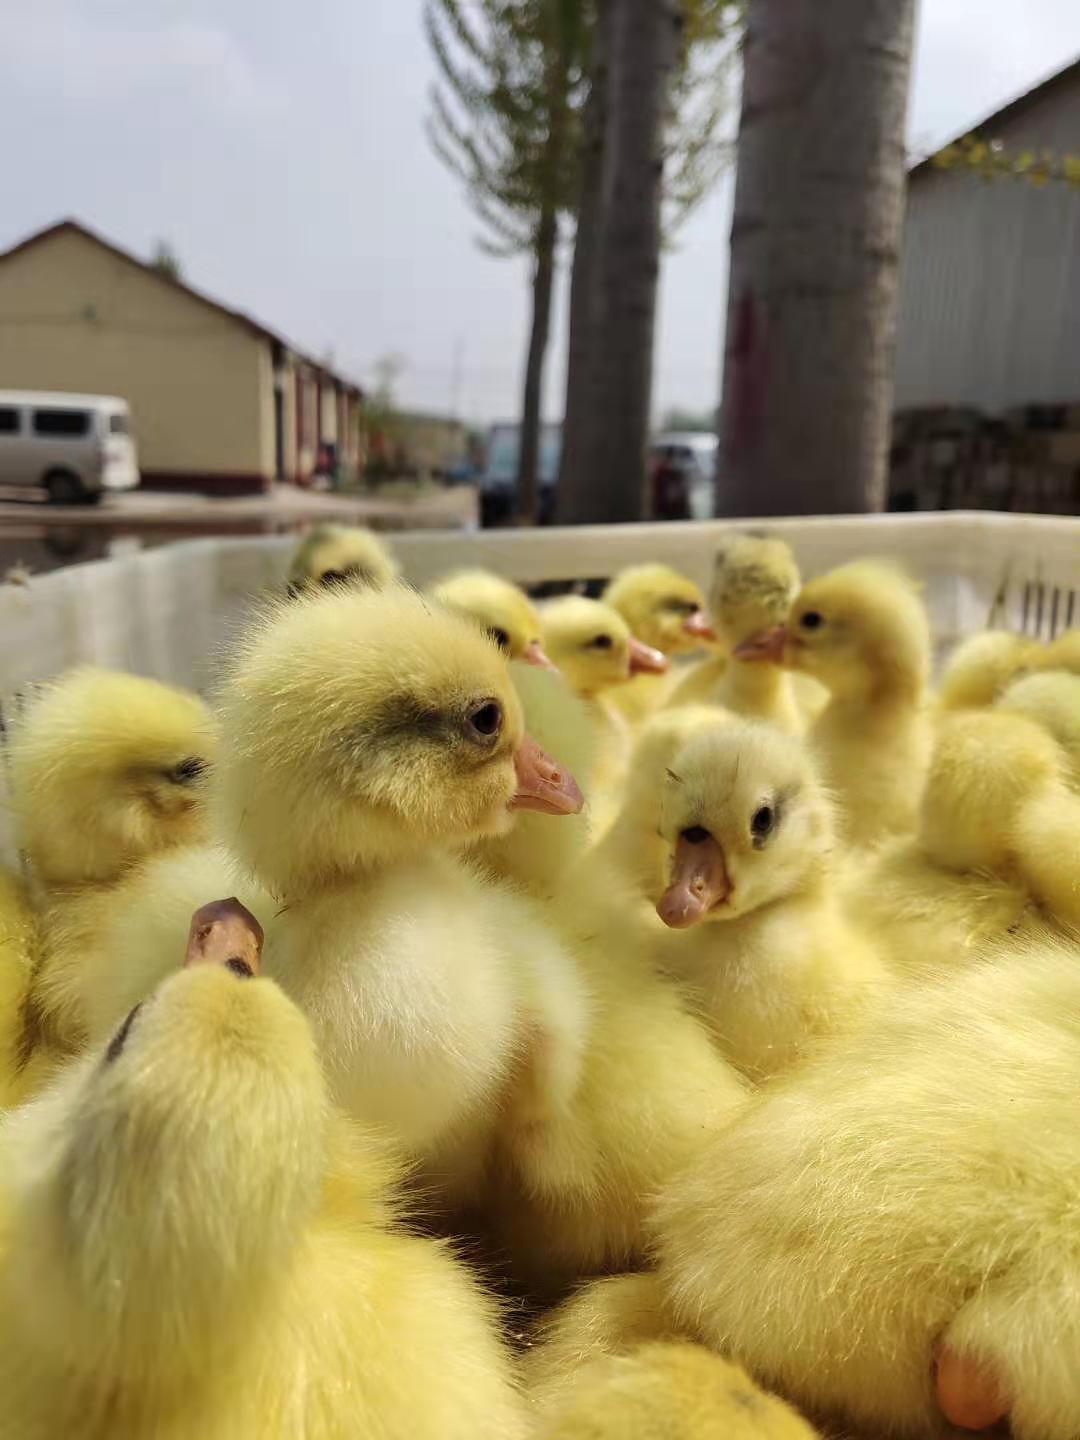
column 40, row 536
column 285, row 508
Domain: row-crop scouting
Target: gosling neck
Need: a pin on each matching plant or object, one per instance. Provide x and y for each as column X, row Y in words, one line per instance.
column 878, row 689
column 755, row 684
column 334, row 877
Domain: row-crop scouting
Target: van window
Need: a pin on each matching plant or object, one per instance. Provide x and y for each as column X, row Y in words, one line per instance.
column 9, row 420
column 62, row 422
column 118, row 424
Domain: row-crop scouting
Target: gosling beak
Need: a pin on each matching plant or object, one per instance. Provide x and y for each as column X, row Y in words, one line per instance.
column 544, row 784
column 765, row 645
column 533, row 654
column 225, row 933
column 698, row 625
column 968, row 1393
column 699, row 881
column 644, row 660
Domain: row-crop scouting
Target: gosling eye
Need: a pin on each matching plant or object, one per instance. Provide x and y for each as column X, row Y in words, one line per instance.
column 351, row 575
column 483, row 723
column 696, row 835
column 600, row 642
column 812, row 620
column 762, row 824
column 500, row 637
column 187, row 771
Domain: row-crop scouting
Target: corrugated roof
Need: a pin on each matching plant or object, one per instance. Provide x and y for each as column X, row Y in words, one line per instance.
column 256, row 327
column 1008, row 112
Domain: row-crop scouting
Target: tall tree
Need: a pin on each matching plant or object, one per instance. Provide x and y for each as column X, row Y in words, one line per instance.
column 814, row 257
column 381, row 417
column 505, row 121
column 643, row 41
column 657, row 94
column 575, row 463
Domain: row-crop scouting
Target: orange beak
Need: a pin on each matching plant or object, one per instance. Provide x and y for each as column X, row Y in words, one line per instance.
column 699, row 882
column 644, row 660
column 698, row 625
column 533, row 654
column 544, row 784
column 765, row 645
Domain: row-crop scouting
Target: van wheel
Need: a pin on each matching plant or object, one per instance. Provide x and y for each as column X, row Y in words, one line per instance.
column 64, row 488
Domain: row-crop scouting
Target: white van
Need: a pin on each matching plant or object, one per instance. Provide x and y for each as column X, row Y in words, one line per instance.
column 74, row 447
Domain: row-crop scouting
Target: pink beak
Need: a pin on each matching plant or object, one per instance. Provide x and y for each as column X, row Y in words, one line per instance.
column 225, row 933
column 699, row 881
column 969, row 1394
column 543, row 784
column 698, row 625
column 644, row 660
column 533, row 654
column 765, row 645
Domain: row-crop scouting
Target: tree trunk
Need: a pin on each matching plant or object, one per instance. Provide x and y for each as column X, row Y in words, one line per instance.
column 814, row 257
column 583, row 344
column 546, row 238
column 642, row 49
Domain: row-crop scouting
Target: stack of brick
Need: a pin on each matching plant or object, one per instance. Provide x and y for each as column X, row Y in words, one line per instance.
column 957, row 459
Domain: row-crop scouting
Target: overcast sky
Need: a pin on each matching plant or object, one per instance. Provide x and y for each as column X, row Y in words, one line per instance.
column 280, row 150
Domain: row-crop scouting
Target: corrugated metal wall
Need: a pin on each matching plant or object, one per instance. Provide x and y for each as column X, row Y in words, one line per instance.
column 990, row 278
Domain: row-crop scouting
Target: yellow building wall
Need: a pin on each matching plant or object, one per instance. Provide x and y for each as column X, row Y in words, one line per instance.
column 267, row 439
column 289, row 412
column 328, row 418
column 308, row 446
column 200, row 387
column 352, row 436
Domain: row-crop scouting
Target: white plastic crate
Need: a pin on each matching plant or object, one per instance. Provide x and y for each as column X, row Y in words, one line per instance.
column 170, row 612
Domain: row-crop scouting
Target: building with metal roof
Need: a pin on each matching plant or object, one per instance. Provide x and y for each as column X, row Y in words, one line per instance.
column 989, row 311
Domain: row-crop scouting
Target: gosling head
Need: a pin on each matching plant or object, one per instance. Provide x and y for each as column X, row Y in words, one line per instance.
column 981, row 666
column 985, row 765
column 754, row 582
column 861, row 630
column 164, row 1179
column 330, row 555
column 106, row 770
column 745, row 822
column 664, row 610
column 1061, row 654
column 360, row 727
column 1052, row 699
column 593, row 647
column 500, row 608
